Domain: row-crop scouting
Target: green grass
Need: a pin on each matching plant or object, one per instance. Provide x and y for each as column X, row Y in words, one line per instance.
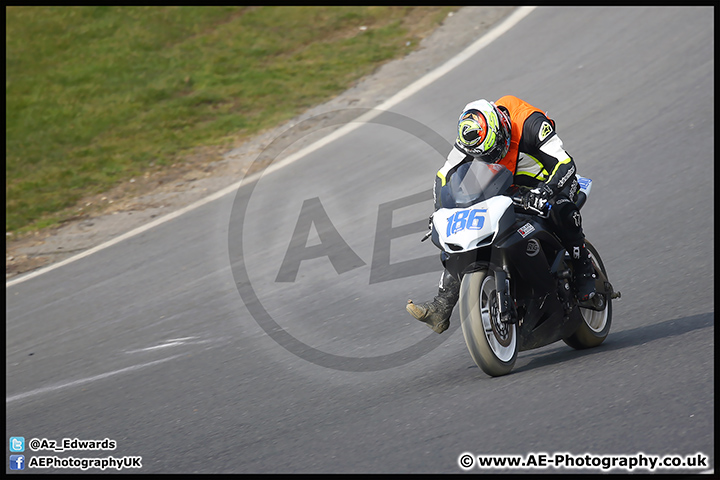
column 97, row 95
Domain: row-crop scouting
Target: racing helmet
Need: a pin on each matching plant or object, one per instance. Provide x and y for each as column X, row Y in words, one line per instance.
column 483, row 132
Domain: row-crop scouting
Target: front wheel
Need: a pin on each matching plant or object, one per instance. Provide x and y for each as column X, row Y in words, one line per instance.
column 492, row 343
column 596, row 324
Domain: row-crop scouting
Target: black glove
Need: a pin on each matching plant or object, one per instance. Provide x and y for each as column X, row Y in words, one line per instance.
column 538, row 197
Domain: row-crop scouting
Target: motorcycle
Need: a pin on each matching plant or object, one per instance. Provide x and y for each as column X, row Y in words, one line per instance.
column 516, row 289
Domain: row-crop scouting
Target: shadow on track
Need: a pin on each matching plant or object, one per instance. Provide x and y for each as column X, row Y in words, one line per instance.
column 623, row 339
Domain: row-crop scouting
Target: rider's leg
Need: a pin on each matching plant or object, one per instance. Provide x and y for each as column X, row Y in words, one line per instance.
column 567, row 221
column 436, row 314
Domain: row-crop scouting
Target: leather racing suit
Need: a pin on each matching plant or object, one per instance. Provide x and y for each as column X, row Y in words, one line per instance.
column 537, row 158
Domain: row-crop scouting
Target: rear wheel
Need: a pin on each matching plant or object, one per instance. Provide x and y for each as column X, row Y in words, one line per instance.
column 492, row 343
column 596, row 324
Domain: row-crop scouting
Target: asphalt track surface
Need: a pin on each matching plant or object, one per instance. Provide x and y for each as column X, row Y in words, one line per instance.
column 215, row 343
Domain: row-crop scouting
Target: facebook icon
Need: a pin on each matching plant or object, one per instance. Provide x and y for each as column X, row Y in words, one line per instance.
column 17, row 462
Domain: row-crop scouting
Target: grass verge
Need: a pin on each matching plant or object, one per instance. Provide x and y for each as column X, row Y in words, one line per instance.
column 98, row 95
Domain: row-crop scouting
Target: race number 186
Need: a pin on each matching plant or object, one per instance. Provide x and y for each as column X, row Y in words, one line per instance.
column 466, row 219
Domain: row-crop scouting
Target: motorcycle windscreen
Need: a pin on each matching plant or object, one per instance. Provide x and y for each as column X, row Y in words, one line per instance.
column 474, row 182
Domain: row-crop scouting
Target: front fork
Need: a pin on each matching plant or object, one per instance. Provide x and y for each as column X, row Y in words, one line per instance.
column 506, row 305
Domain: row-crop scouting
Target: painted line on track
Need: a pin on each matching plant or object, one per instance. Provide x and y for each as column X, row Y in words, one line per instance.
column 82, row 381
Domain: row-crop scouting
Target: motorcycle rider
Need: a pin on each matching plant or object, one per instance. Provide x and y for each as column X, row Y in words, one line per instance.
column 521, row 137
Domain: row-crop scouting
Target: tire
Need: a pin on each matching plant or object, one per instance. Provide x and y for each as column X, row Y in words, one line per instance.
column 596, row 324
column 493, row 345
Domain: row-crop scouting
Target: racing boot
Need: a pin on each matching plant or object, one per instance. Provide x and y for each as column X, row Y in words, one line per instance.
column 436, row 314
column 584, row 273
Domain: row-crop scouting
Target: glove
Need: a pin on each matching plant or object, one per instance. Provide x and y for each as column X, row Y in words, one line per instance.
column 538, row 197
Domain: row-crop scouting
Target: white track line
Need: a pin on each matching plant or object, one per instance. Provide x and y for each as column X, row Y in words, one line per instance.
column 82, row 381
column 413, row 88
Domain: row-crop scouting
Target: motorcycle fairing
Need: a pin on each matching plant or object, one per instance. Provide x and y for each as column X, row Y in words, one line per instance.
column 464, row 229
column 536, row 295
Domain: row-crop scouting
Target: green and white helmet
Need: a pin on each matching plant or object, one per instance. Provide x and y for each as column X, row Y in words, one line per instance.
column 483, row 131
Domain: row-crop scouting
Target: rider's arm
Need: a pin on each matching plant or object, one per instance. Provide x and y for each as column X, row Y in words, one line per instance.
column 540, row 140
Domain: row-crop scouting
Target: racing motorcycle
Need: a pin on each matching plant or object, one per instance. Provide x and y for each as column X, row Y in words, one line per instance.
column 516, row 290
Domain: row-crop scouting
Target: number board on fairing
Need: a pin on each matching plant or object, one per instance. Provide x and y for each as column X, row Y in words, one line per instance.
column 466, row 219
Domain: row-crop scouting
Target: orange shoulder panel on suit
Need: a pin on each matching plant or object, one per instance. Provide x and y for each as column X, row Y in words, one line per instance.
column 519, row 110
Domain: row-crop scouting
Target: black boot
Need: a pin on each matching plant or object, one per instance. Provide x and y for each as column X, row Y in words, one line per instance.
column 584, row 273
column 436, row 314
